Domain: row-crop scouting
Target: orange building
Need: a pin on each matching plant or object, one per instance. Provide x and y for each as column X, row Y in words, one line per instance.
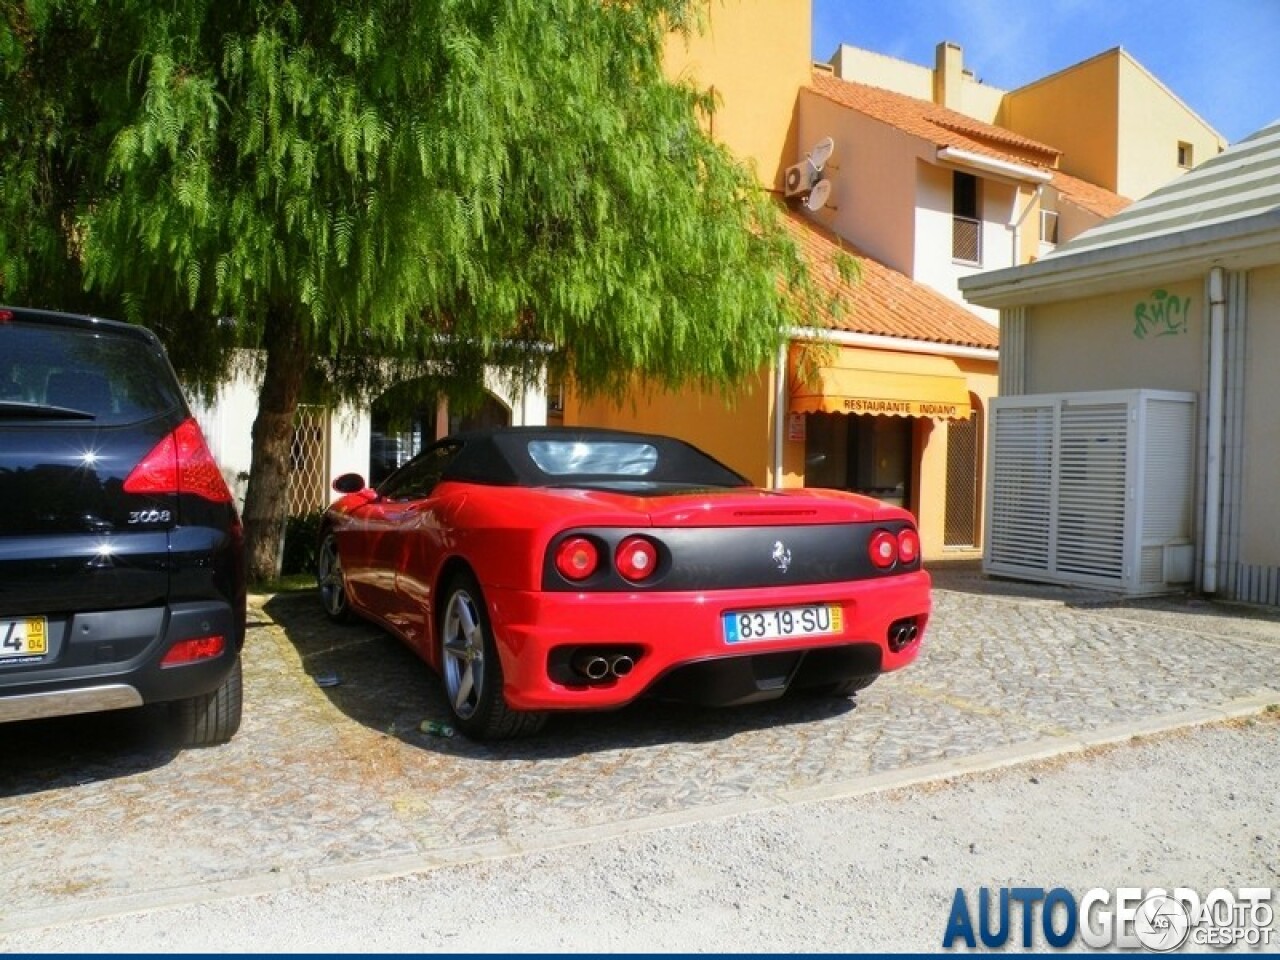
column 888, row 398
column 921, row 177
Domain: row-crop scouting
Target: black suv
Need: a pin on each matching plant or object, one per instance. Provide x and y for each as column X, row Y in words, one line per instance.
column 121, row 551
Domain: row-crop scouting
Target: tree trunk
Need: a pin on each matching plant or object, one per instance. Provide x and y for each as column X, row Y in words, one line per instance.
column 266, row 502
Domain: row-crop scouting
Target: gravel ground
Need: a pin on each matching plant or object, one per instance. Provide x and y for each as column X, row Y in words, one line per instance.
column 1197, row 808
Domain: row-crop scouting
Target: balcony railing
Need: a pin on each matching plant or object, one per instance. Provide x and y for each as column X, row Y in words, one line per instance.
column 966, row 240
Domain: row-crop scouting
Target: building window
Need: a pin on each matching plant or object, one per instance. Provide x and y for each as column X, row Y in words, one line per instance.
column 1185, row 156
column 1049, row 226
column 966, row 226
column 866, row 454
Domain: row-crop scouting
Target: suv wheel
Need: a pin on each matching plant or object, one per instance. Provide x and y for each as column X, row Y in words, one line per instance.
column 212, row 718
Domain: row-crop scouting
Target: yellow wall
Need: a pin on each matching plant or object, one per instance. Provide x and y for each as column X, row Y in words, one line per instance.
column 1117, row 125
column 1076, row 111
column 1093, row 344
column 966, row 94
column 1152, row 123
column 1259, row 543
column 756, row 54
column 931, row 438
column 929, row 481
column 740, row 434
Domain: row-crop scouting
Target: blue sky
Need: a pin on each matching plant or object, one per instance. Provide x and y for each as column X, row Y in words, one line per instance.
column 1221, row 57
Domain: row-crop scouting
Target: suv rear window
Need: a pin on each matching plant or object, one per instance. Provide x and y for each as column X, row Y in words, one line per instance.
column 110, row 379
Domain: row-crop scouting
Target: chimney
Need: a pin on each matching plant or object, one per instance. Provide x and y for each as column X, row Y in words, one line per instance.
column 948, row 75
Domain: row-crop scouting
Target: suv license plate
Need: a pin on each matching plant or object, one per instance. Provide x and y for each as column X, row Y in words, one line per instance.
column 782, row 623
column 23, row 640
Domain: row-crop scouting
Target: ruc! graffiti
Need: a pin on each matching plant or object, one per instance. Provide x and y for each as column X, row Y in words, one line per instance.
column 1161, row 315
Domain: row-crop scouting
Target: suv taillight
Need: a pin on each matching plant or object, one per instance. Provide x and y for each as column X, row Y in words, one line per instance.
column 180, row 463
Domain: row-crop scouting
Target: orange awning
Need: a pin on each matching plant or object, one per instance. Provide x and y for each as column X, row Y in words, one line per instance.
column 862, row 381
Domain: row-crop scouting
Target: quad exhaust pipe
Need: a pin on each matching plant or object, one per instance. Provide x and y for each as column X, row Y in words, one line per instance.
column 598, row 666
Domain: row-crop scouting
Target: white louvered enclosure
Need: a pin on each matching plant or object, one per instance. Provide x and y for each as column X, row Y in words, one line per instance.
column 1093, row 489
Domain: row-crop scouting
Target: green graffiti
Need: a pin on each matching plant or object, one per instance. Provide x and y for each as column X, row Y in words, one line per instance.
column 1161, row 316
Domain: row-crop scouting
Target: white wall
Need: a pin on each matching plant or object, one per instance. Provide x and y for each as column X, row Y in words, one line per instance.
column 227, row 424
column 935, row 266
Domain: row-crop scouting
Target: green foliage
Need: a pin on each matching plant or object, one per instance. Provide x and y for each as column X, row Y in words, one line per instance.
column 301, row 540
column 380, row 190
column 440, row 184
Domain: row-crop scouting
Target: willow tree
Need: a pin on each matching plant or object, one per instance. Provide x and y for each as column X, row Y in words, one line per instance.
column 385, row 186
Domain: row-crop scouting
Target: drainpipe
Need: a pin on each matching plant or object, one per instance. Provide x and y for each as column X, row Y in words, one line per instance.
column 1213, row 459
column 779, row 413
column 1016, row 225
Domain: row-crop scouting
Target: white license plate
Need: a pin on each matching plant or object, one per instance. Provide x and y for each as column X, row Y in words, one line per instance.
column 26, row 639
column 781, row 623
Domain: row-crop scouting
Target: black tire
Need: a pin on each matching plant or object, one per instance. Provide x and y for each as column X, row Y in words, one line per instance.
column 471, row 670
column 331, row 581
column 840, row 688
column 212, row 718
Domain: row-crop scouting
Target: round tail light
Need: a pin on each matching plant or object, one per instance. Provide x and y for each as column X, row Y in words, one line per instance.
column 908, row 547
column 636, row 558
column 883, row 549
column 577, row 558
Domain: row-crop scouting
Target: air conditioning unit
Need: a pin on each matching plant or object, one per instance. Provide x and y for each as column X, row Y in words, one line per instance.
column 1093, row 489
column 800, row 179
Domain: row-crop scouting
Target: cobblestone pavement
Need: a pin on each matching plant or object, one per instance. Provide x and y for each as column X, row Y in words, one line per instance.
column 97, row 816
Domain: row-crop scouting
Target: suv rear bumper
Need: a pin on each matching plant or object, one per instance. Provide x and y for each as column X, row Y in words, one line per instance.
column 62, row 703
column 106, row 660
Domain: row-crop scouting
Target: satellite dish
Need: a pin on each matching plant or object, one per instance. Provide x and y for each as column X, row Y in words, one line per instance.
column 821, row 153
column 818, row 196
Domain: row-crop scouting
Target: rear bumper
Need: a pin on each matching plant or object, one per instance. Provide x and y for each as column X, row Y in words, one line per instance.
column 106, row 660
column 62, row 703
column 675, row 636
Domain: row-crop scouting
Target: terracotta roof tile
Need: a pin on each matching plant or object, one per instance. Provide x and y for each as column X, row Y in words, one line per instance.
column 1089, row 196
column 882, row 301
column 938, row 125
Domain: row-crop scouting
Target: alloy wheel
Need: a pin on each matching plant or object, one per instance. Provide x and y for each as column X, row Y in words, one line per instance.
column 333, row 584
column 464, row 654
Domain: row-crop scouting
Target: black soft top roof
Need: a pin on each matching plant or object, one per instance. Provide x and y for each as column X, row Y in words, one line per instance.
column 521, row 456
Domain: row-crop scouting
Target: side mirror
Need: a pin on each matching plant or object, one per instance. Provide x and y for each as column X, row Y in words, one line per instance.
column 349, row 483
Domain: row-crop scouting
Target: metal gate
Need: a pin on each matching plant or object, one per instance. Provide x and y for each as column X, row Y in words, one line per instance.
column 309, row 461
column 960, row 521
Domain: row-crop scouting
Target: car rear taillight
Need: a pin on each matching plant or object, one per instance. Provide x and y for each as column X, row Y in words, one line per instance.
column 886, row 549
column 197, row 648
column 577, row 558
column 6, row 316
column 908, row 546
column 636, row 558
column 180, row 463
column 883, row 549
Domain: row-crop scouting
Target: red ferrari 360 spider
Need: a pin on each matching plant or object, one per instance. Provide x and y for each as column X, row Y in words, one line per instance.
column 542, row 569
